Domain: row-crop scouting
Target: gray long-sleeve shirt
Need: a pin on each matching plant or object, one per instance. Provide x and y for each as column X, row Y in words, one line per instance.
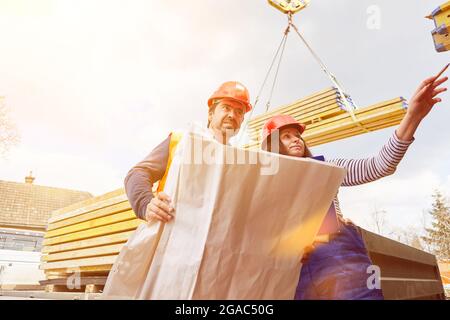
column 140, row 179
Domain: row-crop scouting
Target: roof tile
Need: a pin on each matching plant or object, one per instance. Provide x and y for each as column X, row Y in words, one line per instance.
column 30, row 205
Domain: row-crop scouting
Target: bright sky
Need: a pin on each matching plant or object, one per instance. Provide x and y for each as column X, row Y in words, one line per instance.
column 94, row 85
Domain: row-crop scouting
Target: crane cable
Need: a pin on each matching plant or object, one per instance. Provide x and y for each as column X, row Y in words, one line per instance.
column 281, row 47
column 349, row 107
column 286, row 33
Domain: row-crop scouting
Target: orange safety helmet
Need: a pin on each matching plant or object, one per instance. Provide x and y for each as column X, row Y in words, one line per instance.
column 232, row 90
column 277, row 123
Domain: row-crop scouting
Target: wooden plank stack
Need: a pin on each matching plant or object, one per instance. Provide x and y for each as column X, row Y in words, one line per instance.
column 84, row 240
column 441, row 18
column 327, row 120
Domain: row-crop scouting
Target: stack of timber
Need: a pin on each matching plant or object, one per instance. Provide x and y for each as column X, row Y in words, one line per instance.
column 441, row 39
column 83, row 240
column 441, row 17
column 327, row 120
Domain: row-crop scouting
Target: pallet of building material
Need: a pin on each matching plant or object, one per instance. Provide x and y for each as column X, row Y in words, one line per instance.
column 377, row 110
column 441, row 18
column 43, row 295
column 440, row 15
column 20, row 287
column 310, row 110
column 343, row 125
column 365, row 120
column 329, row 92
column 441, row 41
column 85, row 238
column 333, row 109
column 323, row 110
column 76, row 283
column 318, row 106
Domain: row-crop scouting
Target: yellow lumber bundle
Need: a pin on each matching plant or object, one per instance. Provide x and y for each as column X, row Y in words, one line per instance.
column 318, row 106
column 441, row 17
column 326, row 119
column 87, row 237
column 372, row 118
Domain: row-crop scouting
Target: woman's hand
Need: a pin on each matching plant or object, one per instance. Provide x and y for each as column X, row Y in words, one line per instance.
column 425, row 97
column 420, row 105
column 159, row 208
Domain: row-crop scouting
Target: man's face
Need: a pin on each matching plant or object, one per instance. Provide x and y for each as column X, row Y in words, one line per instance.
column 227, row 116
column 291, row 143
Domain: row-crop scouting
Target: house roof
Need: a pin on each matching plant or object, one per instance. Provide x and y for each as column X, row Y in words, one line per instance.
column 30, row 205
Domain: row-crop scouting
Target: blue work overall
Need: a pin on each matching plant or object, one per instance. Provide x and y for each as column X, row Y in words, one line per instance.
column 337, row 270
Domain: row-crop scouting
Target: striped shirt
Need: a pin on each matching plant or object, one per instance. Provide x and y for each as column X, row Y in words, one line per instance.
column 361, row 171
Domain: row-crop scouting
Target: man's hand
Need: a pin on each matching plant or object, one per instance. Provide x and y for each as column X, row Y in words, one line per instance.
column 159, row 208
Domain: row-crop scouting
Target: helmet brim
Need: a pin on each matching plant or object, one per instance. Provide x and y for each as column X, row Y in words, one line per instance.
column 299, row 126
column 248, row 106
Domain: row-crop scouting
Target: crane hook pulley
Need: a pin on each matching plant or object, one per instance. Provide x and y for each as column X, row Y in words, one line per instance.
column 289, row 6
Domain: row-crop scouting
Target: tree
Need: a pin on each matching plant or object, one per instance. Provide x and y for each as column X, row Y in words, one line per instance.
column 378, row 218
column 424, row 223
column 8, row 132
column 438, row 236
column 412, row 238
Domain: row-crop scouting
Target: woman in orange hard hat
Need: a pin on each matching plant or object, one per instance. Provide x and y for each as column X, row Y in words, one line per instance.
column 337, row 268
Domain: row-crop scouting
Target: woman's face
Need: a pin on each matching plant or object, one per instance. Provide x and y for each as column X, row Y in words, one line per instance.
column 291, row 143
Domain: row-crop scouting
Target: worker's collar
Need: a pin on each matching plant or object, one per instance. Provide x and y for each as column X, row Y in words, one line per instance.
column 320, row 158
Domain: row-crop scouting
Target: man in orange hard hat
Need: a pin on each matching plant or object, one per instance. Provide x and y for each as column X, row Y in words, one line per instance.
column 226, row 109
